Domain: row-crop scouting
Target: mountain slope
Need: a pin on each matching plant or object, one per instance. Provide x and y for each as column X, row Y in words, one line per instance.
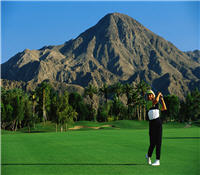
column 117, row 48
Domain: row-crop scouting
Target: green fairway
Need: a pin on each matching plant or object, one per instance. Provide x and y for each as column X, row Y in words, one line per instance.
column 99, row 152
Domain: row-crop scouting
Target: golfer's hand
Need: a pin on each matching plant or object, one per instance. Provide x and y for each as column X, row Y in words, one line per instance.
column 160, row 95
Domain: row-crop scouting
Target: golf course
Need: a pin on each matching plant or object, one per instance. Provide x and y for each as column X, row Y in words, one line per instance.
column 116, row 148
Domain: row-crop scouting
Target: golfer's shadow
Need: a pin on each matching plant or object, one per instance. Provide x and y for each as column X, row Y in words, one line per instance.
column 71, row 164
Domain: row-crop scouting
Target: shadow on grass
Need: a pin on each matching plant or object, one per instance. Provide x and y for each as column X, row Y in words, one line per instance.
column 33, row 131
column 71, row 164
column 181, row 137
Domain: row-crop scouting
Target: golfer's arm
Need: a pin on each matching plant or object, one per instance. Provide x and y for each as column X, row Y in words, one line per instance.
column 164, row 107
column 156, row 99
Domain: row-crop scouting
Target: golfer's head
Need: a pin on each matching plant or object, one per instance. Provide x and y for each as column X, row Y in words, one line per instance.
column 150, row 95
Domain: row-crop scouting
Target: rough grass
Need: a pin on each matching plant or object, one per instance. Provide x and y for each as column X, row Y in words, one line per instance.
column 99, row 152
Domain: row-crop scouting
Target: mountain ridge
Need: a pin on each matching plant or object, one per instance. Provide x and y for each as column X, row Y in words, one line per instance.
column 116, row 49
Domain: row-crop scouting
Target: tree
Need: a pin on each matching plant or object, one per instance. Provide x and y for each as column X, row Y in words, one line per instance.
column 142, row 88
column 195, row 112
column 7, row 109
column 90, row 91
column 128, row 90
column 9, row 114
column 133, row 100
column 104, row 112
column 190, row 109
column 29, row 118
column 173, row 107
column 64, row 113
column 3, row 115
column 76, row 101
column 13, row 103
column 43, row 92
column 117, row 89
column 183, row 112
column 18, row 110
column 118, row 109
column 105, row 91
column 34, row 99
column 54, row 110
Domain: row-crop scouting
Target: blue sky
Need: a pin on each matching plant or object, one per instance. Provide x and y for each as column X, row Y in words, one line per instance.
column 33, row 25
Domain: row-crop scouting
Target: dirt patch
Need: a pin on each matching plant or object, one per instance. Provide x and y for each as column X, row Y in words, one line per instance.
column 107, row 126
column 76, row 127
column 97, row 127
column 187, row 126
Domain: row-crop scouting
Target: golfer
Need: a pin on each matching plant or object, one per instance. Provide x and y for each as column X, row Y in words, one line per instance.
column 155, row 126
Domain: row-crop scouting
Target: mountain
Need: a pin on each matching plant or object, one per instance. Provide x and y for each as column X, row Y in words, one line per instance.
column 30, row 86
column 116, row 49
column 195, row 55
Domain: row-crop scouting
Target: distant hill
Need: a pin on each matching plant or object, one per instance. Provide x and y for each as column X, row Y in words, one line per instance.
column 116, row 49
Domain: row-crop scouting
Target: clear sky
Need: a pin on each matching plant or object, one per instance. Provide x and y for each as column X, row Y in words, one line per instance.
column 33, row 25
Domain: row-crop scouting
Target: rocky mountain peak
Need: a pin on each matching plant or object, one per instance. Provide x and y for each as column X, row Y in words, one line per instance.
column 116, row 49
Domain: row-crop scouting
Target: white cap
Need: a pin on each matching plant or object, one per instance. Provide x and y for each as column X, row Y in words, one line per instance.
column 151, row 92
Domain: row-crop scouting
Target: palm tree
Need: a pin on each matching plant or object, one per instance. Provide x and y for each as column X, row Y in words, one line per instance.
column 105, row 91
column 33, row 98
column 128, row 90
column 90, row 91
column 135, row 101
column 117, row 89
column 142, row 88
column 43, row 92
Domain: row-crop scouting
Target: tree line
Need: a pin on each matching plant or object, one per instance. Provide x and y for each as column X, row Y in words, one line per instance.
column 116, row 102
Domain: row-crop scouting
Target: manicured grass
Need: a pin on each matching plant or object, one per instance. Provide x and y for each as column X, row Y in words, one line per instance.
column 120, row 124
column 99, row 152
column 133, row 124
